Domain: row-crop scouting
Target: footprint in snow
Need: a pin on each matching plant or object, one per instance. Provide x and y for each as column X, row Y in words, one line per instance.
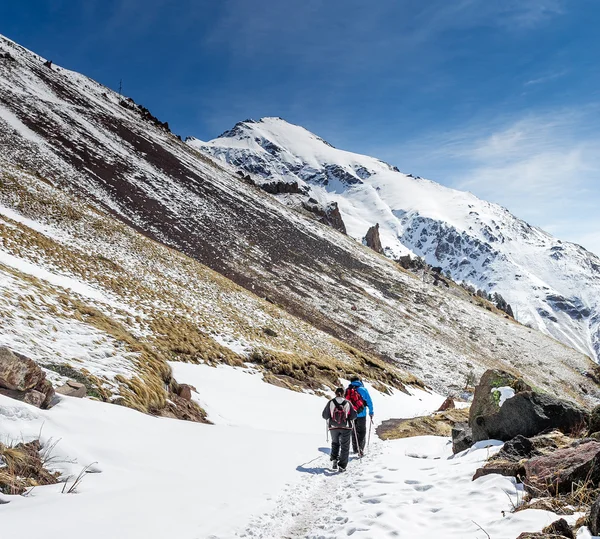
column 422, row 488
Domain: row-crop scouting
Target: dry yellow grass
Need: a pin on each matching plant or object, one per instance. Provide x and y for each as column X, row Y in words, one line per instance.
column 24, row 468
column 438, row 424
column 172, row 322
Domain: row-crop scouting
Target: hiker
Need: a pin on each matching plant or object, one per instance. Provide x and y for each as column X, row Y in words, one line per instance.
column 360, row 399
column 339, row 414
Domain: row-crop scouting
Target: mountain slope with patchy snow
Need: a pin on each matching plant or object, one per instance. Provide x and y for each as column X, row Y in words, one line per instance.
column 551, row 284
column 67, row 134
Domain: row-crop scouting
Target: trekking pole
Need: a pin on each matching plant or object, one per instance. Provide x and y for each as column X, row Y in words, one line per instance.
column 370, row 425
column 356, row 439
column 326, row 431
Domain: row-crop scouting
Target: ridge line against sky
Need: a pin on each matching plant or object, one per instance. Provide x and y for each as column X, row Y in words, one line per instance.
column 499, row 98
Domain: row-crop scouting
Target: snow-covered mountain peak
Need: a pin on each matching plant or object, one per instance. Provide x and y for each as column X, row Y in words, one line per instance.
column 551, row 284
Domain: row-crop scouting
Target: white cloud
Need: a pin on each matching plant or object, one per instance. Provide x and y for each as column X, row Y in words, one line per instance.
column 549, row 77
column 545, row 168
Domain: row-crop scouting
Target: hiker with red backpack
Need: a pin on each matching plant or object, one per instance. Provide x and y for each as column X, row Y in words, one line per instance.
column 360, row 399
column 339, row 414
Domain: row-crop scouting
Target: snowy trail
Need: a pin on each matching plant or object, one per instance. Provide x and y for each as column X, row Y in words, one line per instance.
column 405, row 488
column 260, row 473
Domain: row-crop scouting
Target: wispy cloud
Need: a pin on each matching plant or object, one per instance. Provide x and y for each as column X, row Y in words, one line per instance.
column 544, row 168
column 549, row 77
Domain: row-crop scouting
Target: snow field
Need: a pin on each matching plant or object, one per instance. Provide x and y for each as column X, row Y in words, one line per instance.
column 261, row 471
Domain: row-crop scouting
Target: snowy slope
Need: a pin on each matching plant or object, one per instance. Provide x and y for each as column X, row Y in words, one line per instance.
column 263, row 474
column 552, row 285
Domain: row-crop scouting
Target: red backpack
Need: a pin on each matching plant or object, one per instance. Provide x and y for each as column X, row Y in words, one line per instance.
column 339, row 416
column 355, row 399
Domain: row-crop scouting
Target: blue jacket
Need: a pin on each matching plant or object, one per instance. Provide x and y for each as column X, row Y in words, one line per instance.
column 362, row 390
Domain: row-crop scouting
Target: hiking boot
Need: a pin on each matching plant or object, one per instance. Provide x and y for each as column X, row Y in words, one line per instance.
column 340, row 469
column 334, row 465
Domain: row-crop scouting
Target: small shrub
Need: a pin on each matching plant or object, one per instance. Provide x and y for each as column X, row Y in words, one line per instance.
column 23, row 468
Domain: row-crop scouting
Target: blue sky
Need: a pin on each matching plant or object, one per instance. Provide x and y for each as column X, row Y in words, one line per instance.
column 500, row 98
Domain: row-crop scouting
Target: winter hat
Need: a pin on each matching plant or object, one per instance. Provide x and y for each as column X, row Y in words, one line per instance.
column 355, row 379
column 339, row 392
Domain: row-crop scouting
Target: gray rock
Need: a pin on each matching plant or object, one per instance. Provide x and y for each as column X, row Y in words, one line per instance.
column 462, row 437
column 35, row 398
column 527, row 413
column 72, row 389
column 518, row 448
column 594, row 518
column 595, row 420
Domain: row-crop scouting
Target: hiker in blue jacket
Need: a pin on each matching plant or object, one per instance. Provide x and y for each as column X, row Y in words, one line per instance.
column 358, row 395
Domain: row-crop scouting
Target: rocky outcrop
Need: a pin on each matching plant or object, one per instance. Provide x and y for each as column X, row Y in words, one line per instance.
column 504, row 406
column 22, row 379
column 279, row 188
column 373, row 240
column 179, row 407
column 556, row 472
column 328, row 214
column 448, row 404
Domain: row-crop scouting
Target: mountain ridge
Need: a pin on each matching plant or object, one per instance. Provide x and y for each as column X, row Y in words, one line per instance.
column 475, row 241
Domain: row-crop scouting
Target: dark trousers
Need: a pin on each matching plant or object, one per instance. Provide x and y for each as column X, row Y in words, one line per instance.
column 340, row 446
column 360, row 425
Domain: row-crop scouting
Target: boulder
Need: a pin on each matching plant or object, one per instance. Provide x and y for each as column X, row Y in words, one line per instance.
column 556, row 472
column 548, row 504
column 560, row 528
column 73, row 389
column 22, row 379
column 593, row 520
column 47, row 389
column 462, row 437
column 185, row 392
column 594, row 425
column 18, row 372
column 504, row 406
column 518, row 448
